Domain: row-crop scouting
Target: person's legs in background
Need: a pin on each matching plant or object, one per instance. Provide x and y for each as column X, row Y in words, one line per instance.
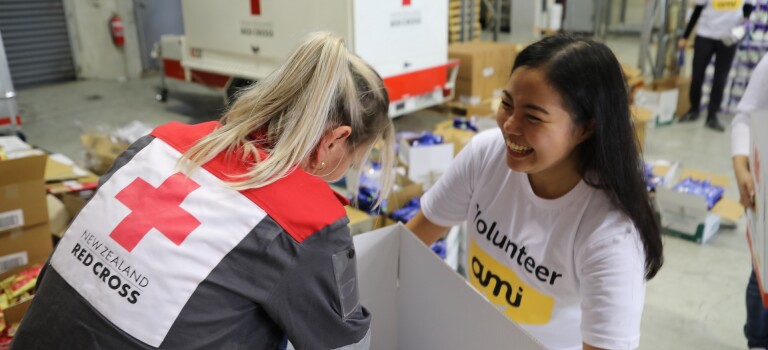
column 756, row 328
column 723, row 59
column 703, row 49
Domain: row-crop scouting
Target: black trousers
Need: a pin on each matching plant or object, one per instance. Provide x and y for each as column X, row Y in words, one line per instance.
column 703, row 49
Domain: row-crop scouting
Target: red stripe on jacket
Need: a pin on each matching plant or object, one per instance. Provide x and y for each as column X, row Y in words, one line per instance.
column 300, row 203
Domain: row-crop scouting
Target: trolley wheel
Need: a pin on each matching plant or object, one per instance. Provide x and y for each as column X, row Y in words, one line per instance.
column 162, row 95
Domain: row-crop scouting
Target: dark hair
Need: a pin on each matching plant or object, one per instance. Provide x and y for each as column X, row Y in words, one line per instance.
column 591, row 84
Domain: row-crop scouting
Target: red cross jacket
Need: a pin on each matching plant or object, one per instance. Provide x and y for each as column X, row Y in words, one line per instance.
column 159, row 259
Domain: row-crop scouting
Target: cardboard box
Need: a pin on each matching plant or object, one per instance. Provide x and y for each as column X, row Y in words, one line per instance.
column 630, row 72
column 640, row 118
column 101, row 151
column 660, row 97
column 19, row 247
column 380, row 221
column 74, row 202
column 359, row 221
column 685, row 215
column 61, row 210
column 757, row 221
column 683, row 98
column 418, row 302
column 84, row 183
column 15, row 312
column 58, row 216
column 63, row 176
column 484, row 69
column 22, row 192
column 12, row 147
column 404, row 190
column 426, row 163
column 459, row 138
column 484, row 109
column 473, row 92
column 634, row 79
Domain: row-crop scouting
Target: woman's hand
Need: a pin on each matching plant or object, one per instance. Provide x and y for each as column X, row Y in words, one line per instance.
column 745, row 181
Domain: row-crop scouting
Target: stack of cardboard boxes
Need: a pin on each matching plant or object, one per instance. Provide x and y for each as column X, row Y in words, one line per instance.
column 484, row 70
column 25, row 236
column 29, row 211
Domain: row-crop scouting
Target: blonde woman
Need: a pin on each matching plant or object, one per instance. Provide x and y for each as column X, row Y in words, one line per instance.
column 225, row 235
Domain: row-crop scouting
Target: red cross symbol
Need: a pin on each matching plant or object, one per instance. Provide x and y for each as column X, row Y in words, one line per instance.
column 406, row 2
column 155, row 208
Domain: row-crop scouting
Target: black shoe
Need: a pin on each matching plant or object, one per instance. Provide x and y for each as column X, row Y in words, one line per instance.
column 714, row 124
column 689, row 117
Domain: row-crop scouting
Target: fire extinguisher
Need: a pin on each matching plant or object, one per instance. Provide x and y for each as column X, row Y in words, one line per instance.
column 116, row 30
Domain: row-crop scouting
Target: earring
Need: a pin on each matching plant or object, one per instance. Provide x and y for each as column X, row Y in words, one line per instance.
column 321, row 166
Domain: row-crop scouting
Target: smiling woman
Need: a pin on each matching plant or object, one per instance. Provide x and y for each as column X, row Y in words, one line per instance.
column 568, row 236
column 540, row 135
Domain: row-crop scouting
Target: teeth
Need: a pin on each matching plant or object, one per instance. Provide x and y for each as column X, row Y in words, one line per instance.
column 518, row 148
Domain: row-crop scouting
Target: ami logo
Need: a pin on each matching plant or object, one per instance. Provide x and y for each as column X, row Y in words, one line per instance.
column 156, row 208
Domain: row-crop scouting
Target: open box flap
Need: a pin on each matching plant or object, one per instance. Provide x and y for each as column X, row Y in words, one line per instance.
column 425, row 305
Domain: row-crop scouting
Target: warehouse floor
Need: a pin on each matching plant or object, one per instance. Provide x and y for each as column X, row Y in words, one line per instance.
column 695, row 302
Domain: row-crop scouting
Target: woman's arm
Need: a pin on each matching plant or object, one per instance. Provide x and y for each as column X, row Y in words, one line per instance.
column 612, row 287
column 689, row 28
column 426, row 230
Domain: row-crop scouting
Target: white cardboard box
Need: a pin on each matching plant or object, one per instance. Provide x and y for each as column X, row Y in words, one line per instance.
column 757, row 221
column 686, row 215
column 418, row 302
column 663, row 103
column 426, row 163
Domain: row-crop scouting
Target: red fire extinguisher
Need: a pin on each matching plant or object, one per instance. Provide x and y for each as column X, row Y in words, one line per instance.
column 116, row 30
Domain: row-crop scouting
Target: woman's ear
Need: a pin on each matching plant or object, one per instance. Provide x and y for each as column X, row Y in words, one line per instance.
column 333, row 142
column 586, row 131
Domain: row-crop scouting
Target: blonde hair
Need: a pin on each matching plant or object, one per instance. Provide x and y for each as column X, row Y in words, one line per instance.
column 320, row 87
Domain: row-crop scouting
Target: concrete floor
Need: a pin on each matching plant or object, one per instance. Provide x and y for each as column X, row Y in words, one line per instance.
column 695, row 302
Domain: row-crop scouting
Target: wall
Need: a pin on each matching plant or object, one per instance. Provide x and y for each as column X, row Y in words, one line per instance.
column 96, row 57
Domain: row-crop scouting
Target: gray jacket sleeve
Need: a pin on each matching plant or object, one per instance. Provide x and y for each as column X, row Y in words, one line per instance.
column 317, row 301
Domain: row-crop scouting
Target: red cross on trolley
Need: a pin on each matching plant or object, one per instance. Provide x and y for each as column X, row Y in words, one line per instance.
column 156, row 208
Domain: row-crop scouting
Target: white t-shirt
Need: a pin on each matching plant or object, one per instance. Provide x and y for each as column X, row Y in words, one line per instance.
column 753, row 100
column 566, row 270
column 719, row 17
